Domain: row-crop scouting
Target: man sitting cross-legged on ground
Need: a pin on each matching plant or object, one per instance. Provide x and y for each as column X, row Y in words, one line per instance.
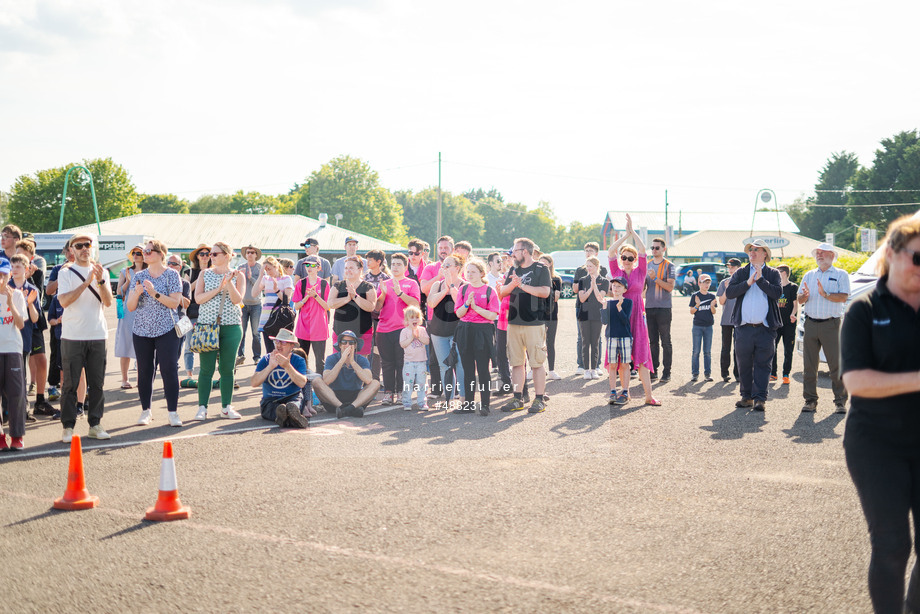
column 284, row 379
column 351, row 386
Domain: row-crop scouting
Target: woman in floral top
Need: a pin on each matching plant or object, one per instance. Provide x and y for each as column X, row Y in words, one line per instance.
column 219, row 289
column 154, row 297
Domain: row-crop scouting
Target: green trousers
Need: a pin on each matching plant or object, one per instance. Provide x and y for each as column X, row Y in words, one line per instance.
column 229, row 340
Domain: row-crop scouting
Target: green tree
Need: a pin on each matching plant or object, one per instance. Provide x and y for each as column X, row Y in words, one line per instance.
column 349, row 186
column 505, row 222
column 212, row 203
column 239, row 202
column 35, row 200
column 459, row 218
column 577, row 234
column 163, row 203
column 896, row 167
column 838, row 174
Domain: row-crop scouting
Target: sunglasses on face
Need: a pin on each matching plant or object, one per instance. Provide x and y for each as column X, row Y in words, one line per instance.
column 253, row 253
column 151, row 250
column 137, row 253
column 415, row 253
column 82, row 245
column 311, row 265
column 204, row 254
column 915, row 256
column 656, row 247
column 344, row 342
column 175, row 264
column 626, row 258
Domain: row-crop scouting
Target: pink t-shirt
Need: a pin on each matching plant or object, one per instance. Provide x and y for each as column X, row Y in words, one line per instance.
column 479, row 293
column 312, row 320
column 430, row 272
column 391, row 313
column 415, row 351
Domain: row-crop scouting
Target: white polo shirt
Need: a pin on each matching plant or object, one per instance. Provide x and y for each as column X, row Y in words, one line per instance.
column 84, row 319
column 10, row 336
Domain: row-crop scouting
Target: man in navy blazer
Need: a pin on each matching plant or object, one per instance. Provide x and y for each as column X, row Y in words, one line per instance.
column 756, row 318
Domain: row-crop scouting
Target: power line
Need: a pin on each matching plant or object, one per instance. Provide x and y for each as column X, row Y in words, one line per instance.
column 866, row 191
column 860, row 206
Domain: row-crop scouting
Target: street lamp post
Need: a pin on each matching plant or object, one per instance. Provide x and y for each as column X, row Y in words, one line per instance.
column 92, row 189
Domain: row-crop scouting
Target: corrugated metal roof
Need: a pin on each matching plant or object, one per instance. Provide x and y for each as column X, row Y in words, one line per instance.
column 695, row 221
column 270, row 233
column 694, row 245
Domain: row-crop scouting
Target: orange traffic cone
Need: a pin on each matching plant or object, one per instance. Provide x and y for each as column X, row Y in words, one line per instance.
column 76, row 497
column 168, row 506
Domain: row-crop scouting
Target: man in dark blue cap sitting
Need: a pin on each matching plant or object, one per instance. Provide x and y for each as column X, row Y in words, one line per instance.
column 348, row 374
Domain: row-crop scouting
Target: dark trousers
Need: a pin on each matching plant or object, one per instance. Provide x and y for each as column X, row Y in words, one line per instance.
column 754, row 347
column 551, row 327
column 434, row 372
column 476, row 365
column 590, row 343
column 787, row 335
column 391, row 360
column 77, row 357
column 269, row 344
column 504, row 370
column 268, row 405
column 887, row 479
column 728, row 334
column 319, row 353
column 658, row 320
column 162, row 351
column 14, row 391
column 54, row 366
column 251, row 314
column 578, row 359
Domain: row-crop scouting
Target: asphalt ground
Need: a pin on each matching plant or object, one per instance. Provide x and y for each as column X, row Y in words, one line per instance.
column 694, row 506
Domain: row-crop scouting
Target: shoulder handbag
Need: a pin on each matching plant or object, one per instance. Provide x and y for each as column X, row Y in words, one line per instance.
column 282, row 316
column 206, row 337
column 182, row 325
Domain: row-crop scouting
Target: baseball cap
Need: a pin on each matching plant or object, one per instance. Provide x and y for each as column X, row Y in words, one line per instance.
column 349, row 239
column 310, row 241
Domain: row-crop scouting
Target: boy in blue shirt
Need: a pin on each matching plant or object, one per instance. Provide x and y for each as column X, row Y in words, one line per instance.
column 619, row 341
column 703, row 306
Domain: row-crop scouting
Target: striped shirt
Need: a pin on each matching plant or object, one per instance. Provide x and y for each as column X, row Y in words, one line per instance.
column 834, row 281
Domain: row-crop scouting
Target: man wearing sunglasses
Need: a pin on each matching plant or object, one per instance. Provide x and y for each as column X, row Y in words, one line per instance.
column 658, row 288
column 756, row 318
column 252, row 306
column 311, row 248
column 351, row 387
column 84, row 293
column 823, row 296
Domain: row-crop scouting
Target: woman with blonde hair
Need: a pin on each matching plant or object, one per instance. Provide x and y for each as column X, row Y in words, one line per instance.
column 219, row 292
column 442, row 300
column 273, row 284
column 630, row 262
column 478, row 309
column 154, row 297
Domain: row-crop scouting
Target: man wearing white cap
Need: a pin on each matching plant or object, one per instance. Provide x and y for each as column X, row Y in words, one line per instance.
column 756, row 319
column 823, row 296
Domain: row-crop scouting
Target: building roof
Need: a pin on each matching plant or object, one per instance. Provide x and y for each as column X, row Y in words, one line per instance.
column 695, row 221
column 696, row 244
column 270, row 233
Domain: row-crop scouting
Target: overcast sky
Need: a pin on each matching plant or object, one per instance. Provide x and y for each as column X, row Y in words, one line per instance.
column 589, row 105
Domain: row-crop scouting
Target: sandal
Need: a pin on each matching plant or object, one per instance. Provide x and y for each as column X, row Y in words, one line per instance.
column 126, row 386
column 653, row 402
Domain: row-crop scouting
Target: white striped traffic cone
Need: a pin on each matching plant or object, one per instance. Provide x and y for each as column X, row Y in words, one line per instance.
column 168, row 506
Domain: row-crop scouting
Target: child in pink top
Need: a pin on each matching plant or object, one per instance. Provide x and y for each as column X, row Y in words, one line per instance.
column 394, row 296
column 311, row 296
column 413, row 339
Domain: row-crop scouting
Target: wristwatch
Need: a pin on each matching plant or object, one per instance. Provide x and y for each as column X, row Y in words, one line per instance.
column 157, row 295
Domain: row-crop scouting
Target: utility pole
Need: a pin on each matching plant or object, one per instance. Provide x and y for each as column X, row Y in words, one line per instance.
column 438, row 234
column 666, row 211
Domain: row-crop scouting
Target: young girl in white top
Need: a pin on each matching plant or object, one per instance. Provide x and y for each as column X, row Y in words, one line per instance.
column 413, row 339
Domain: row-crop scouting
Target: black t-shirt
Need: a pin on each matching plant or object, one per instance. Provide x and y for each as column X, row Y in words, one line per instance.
column 786, row 303
column 349, row 316
column 882, row 332
column 443, row 322
column 526, row 309
column 591, row 309
column 580, row 272
column 703, row 315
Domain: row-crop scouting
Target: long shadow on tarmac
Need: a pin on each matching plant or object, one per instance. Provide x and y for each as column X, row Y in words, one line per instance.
column 806, row 430
column 736, row 424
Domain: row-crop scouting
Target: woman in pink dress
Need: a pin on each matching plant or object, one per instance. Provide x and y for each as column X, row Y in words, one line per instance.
column 630, row 262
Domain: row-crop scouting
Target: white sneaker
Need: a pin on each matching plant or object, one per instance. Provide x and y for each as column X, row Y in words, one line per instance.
column 67, row 436
column 553, row 375
column 174, row 419
column 579, row 371
column 588, row 374
column 96, row 432
column 229, row 413
column 529, row 374
column 202, row 413
column 145, row 418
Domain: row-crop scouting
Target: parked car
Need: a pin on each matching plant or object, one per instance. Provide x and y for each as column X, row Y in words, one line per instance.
column 565, row 262
column 568, row 281
column 716, row 270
